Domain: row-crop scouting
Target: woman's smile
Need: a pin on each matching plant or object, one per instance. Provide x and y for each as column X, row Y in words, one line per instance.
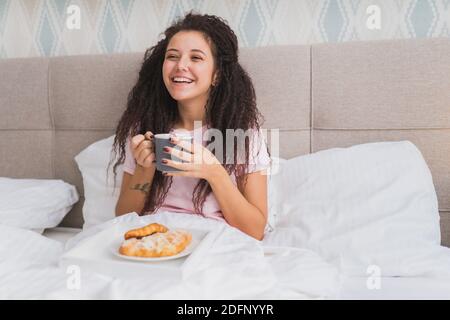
column 181, row 82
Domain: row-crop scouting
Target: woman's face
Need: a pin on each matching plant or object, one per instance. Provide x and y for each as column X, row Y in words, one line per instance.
column 188, row 67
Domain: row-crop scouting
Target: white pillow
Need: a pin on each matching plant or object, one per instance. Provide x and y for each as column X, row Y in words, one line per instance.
column 370, row 204
column 101, row 196
column 35, row 203
column 99, row 193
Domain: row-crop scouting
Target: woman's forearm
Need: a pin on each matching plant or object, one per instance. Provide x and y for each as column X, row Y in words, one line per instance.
column 133, row 197
column 237, row 211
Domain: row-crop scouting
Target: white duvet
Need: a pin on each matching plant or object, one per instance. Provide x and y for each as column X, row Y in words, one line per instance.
column 226, row 265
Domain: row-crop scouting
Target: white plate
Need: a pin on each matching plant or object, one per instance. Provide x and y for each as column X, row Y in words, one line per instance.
column 196, row 238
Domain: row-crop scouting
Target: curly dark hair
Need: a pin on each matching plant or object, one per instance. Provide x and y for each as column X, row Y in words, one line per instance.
column 231, row 103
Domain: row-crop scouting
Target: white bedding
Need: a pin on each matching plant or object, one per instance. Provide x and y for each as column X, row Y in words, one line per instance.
column 227, row 265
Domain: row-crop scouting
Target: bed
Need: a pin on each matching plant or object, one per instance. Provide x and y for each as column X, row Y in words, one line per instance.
column 319, row 97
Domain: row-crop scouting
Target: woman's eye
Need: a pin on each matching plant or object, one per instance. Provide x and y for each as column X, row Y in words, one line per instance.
column 175, row 57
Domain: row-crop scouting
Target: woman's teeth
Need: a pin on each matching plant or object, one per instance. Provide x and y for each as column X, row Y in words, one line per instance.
column 181, row 80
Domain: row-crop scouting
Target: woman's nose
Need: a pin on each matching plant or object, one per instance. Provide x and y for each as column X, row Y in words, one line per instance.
column 182, row 65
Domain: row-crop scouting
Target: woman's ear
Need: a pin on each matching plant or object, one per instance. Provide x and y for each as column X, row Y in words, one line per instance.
column 214, row 82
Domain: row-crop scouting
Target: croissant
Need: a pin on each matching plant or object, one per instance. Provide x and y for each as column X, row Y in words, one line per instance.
column 164, row 244
column 145, row 231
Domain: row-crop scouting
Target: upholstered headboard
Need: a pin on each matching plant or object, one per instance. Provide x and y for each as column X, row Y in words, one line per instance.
column 320, row 96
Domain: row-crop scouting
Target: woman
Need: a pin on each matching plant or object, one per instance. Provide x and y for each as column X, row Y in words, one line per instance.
column 193, row 74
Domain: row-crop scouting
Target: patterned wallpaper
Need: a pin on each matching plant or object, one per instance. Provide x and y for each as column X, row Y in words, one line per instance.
column 67, row 27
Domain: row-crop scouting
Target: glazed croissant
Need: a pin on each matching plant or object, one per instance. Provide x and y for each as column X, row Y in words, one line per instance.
column 157, row 245
column 145, row 231
column 154, row 240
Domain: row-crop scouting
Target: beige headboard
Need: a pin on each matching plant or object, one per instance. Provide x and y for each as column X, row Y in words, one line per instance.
column 320, row 96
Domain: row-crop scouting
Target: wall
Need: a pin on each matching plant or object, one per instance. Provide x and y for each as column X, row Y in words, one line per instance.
column 39, row 27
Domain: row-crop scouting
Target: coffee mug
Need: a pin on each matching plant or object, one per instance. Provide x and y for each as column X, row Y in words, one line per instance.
column 163, row 140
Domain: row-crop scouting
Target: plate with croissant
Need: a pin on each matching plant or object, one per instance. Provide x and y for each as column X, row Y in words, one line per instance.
column 155, row 242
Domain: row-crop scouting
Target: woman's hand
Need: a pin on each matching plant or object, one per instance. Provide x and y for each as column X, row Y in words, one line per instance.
column 199, row 162
column 142, row 147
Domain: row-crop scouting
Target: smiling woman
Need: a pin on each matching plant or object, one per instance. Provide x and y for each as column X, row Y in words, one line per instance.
column 193, row 74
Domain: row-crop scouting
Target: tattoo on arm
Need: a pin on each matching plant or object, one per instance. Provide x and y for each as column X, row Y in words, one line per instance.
column 145, row 188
